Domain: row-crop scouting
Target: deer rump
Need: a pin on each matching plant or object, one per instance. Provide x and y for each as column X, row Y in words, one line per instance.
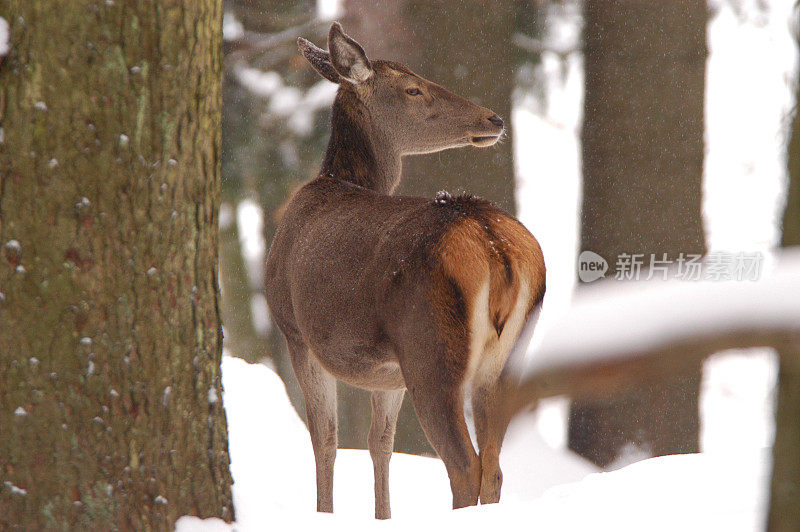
column 374, row 278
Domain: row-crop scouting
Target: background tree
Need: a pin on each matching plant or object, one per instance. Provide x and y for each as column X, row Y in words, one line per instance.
column 643, row 166
column 784, row 512
column 467, row 49
column 263, row 159
column 110, row 395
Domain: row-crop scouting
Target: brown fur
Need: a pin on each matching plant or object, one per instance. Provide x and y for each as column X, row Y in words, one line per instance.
column 484, row 243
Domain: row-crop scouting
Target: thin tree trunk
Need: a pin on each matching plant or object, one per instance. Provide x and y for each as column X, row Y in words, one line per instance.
column 643, row 167
column 110, row 339
column 784, row 510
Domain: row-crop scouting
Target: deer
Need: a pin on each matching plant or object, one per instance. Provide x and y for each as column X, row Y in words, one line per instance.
column 392, row 293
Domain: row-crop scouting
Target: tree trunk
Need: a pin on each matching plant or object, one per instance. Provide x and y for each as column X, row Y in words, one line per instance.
column 784, row 512
column 110, row 393
column 643, row 167
column 437, row 41
column 467, row 49
column 255, row 166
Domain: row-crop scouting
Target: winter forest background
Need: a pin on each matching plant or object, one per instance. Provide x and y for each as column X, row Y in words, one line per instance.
column 653, row 127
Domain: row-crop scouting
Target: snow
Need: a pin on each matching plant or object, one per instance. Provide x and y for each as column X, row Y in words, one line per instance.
column 272, row 443
column 273, row 469
column 287, row 102
column 250, row 224
column 5, row 37
column 612, row 320
column 260, row 83
column 329, row 9
column 749, row 85
column 14, row 489
column 232, row 29
column 737, row 400
column 260, row 313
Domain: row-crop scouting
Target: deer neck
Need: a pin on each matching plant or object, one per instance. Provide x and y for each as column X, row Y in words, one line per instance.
column 357, row 152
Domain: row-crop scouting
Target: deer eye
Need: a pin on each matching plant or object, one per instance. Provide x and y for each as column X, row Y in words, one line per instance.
column 413, row 92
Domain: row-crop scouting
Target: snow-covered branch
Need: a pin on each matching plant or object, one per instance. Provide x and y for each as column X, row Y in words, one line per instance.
column 615, row 334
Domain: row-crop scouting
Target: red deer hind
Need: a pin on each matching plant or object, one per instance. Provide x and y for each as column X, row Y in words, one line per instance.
column 390, row 293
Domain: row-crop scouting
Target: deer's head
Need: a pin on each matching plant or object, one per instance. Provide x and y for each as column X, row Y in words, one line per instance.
column 413, row 114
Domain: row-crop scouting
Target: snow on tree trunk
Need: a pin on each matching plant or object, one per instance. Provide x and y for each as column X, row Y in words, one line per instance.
column 110, row 339
column 643, row 167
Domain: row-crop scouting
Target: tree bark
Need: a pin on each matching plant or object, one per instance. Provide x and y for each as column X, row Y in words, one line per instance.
column 784, row 512
column 643, row 166
column 110, row 395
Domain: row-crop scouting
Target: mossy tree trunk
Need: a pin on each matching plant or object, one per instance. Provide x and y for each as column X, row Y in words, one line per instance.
column 642, row 173
column 110, row 339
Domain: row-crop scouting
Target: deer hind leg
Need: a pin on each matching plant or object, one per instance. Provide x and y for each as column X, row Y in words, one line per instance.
column 494, row 375
column 490, row 428
column 439, row 404
column 385, row 408
column 319, row 392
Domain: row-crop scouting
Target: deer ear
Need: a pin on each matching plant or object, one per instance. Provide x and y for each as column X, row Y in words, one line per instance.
column 319, row 59
column 347, row 56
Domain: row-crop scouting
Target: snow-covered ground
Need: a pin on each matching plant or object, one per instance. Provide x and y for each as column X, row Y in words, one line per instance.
column 545, row 489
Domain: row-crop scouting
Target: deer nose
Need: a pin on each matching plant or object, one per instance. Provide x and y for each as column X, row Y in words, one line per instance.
column 496, row 120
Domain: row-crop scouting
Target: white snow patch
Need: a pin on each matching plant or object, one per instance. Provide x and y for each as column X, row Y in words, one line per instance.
column 250, row 224
column 260, row 313
column 189, row 523
column 225, row 215
column 14, row 489
column 273, row 469
column 290, row 103
column 737, row 400
column 285, row 101
column 750, row 80
column 268, row 441
column 5, row 37
column 165, row 396
column 232, row 29
column 259, row 82
column 329, row 9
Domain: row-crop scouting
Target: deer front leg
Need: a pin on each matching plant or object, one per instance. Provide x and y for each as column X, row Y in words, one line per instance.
column 385, row 408
column 319, row 392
